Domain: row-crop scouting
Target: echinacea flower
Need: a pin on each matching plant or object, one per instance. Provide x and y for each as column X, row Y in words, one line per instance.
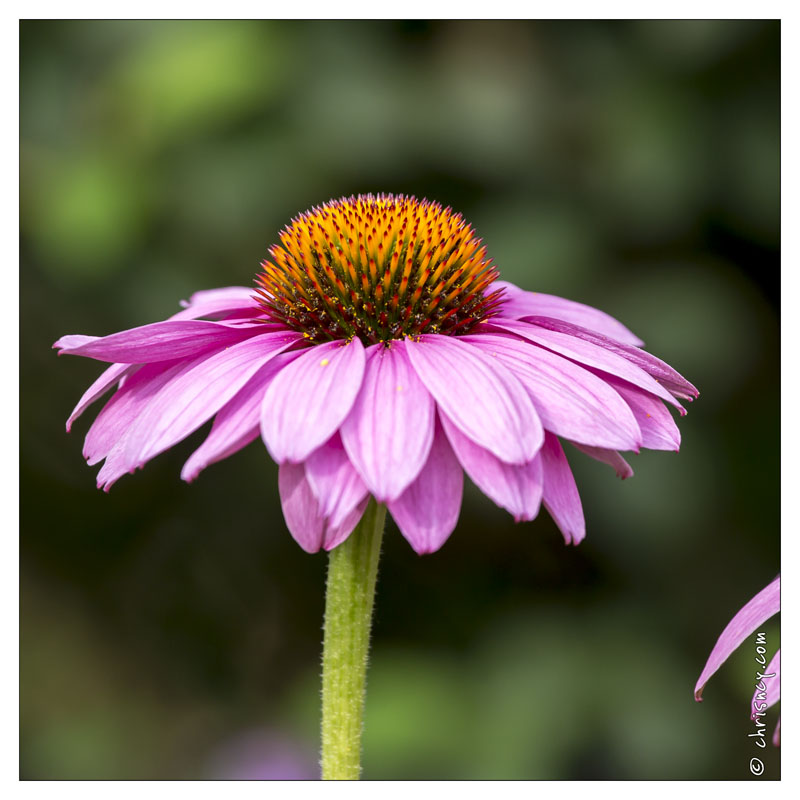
column 379, row 356
column 380, row 359
column 749, row 618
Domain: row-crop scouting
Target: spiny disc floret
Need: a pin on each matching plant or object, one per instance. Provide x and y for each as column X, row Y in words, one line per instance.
column 379, row 268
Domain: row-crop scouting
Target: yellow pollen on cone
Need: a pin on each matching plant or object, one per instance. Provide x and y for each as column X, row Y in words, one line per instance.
column 380, row 267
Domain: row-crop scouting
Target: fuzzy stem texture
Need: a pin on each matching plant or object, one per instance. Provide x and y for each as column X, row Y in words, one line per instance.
column 352, row 572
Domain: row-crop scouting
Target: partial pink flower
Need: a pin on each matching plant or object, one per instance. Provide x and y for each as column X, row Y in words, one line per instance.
column 750, row 617
column 263, row 755
column 379, row 356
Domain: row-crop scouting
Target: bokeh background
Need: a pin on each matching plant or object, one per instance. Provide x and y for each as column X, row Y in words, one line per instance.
column 173, row 631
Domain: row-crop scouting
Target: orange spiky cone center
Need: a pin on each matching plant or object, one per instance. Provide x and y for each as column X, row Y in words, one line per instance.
column 378, row 268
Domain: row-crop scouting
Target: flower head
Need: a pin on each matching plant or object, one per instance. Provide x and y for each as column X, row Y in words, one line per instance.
column 377, row 268
column 380, row 356
column 766, row 604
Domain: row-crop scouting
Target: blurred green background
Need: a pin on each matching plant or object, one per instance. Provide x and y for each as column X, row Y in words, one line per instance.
column 173, row 631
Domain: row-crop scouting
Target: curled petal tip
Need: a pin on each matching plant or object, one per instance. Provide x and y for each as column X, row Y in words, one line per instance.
column 698, row 694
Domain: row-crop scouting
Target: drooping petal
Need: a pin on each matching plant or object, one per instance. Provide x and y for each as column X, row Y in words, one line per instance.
column 427, row 511
column 127, row 430
column 764, row 605
column 610, row 457
column 560, row 495
column 389, row 430
column 589, row 354
column 219, row 303
column 514, row 487
column 662, row 372
column 114, row 467
column 160, row 341
column 570, row 401
column 334, row 480
column 659, row 431
column 192, row 398
column 519, row 304
column 300, row 509
column 768, row 688
column 237, row 422
column 307, row 525
column 114, row 422
column 305, row 405
column 112, row 375
column 72, row 340
column 336, row 534
column 480, row 396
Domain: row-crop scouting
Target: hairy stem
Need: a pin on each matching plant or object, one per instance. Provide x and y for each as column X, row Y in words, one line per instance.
column 352, row 572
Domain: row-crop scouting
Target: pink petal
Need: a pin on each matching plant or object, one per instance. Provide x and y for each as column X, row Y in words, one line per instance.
column 764, row 605
column 776, row 737
column 570, row 401
column 112, row 375
column 334, row 480
column 587, row 353
column 610, row 457
column 73, row 340
column 114, row 467
column 219, row 303
column 161, row 341
column 336, row 534
column 237, row 423
column 516, row 488
column 519, row 303
column 659, row 431
column 480, row 396
column 560, row 495
column 768, row 689
column 307, row 525
column 195, row 395
column 305, row 405
column 300, row 509
column 116, row 433
column 112, row 425
column 427, row 511
column 662, row 372
column 389, row 430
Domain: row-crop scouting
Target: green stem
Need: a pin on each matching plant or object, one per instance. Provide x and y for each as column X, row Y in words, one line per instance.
column 352, row 571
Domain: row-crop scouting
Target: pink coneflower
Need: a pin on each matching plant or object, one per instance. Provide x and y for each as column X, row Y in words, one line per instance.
column 379, row 356
column 750, row 617
column 379, row 359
